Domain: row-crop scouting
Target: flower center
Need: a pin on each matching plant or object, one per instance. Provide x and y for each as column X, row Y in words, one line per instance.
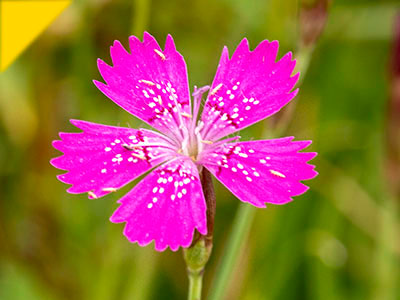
column 192, row 144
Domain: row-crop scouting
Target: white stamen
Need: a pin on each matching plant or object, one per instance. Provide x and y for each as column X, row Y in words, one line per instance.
column 276, row 173
column 207, row 142
column 109, row 189
column 189, row 116
column 160, row 54
column 91, row 194
column 148, row 82
column 138, row 156
column 215, row 90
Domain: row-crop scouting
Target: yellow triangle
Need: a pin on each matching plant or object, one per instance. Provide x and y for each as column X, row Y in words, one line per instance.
column 21, row 22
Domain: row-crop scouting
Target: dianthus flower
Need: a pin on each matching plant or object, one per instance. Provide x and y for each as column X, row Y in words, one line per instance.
column 152, row 84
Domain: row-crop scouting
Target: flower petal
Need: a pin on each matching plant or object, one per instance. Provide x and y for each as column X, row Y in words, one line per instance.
column 103, row 158
column 149, row 83
column 262, row 171
column 247, row 88
column 166, row 207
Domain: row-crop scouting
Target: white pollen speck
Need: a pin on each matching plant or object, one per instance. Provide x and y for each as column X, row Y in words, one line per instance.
column 251, row 99
column 164, row 181
column 172, row 197
column 184, row 191
column 117, row 141
column 107, row 149
column 150, row 205
column 112, row 144
column 231, row 96
column 179, row 195
column 243, row 155
column 263, row 161
column 114, row 159
column 152, row 104
column 245, row 172
column 256, row 174
column 159, row 180
column 249, row 179
column 234, row 169
column 235, row 109
column 256, row 102
column 247, row 107
column 268, row 157
column 234, row 116
column 234, row 87
column 228, row 92
column 240, row 166
column 176, row 184
column 161, row 190
column 186, row 180
column 251, row 151
column 155, row 190
column 245, row 100
column 181, row 183
column 154, row 199
column 170, row 178
column 103, row 171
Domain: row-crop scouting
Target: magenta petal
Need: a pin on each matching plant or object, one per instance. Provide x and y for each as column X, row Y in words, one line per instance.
column 149, row 83
column 247, row 88
column 103, row 158
column 260, row 172
column 166, row 206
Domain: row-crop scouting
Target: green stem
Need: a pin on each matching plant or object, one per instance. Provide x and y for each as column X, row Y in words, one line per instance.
column 195, row 285
column 197, row 255
column 240, row 230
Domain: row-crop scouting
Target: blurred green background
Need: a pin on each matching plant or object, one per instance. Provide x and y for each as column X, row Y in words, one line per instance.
column 340, row 240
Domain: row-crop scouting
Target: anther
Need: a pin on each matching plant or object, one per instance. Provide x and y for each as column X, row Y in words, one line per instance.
column 189, row 116
column 148, row 82
column 160, row 54
column 91, row 194
column 109, row 189
column 276, row 173
column 215, row 90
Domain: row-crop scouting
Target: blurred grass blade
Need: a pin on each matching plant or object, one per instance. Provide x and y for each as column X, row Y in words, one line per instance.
column 240, row 230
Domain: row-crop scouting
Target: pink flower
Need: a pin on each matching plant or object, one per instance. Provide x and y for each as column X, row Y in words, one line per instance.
column 152, row 84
